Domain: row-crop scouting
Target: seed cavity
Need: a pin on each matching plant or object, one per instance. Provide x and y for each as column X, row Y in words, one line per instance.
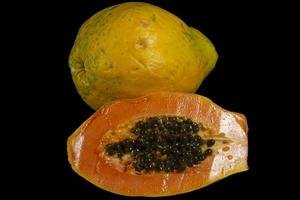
column 162, row 144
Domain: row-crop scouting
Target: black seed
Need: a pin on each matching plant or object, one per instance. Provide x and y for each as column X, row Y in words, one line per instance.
column 190, row 163
column 195, row 149
column 194, row 160
column 110, row 149
column 210, row 142
column 207, row 152
column 135, row 130
column 180, row 167
column 201, row 157
column 196, row 139
column 195, row 127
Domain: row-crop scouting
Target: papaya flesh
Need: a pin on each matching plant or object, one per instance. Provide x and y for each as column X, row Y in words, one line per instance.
column 87, row 146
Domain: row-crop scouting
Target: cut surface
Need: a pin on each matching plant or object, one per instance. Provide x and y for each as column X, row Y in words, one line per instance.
column 103, row 149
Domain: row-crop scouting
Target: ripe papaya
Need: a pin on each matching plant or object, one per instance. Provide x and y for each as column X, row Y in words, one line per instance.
column 160, row 144
column 135, row 48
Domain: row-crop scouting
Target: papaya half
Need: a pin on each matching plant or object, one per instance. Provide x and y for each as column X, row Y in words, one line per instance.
column 160, row 144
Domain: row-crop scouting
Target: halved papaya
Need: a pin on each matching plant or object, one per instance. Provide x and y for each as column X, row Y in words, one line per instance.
column 158, row 145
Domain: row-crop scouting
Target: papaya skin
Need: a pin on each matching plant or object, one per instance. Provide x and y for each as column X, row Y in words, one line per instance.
column 230, row 159
column 135, row 48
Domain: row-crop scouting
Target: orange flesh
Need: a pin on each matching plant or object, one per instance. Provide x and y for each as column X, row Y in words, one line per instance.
column 229, row 129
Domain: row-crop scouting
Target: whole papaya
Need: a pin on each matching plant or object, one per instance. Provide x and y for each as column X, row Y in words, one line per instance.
column 131, row 49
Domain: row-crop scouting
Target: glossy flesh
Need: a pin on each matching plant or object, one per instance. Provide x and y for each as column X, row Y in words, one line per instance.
column 229, row 157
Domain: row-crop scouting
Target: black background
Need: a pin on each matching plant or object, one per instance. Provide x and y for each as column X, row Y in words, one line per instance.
column 244, row 80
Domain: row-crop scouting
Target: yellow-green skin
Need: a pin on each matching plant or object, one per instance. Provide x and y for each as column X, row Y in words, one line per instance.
column 131, row 49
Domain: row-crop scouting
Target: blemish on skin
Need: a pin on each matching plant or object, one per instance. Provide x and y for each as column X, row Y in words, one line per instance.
column 229, row 157
column 145, row 23
column 140, row 43
column 108, row 66
column 102, row 51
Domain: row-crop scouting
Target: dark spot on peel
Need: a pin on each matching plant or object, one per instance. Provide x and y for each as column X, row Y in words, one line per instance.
column 102, row 51
column 108, row 66
column 141, row 43
column 145, row 23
